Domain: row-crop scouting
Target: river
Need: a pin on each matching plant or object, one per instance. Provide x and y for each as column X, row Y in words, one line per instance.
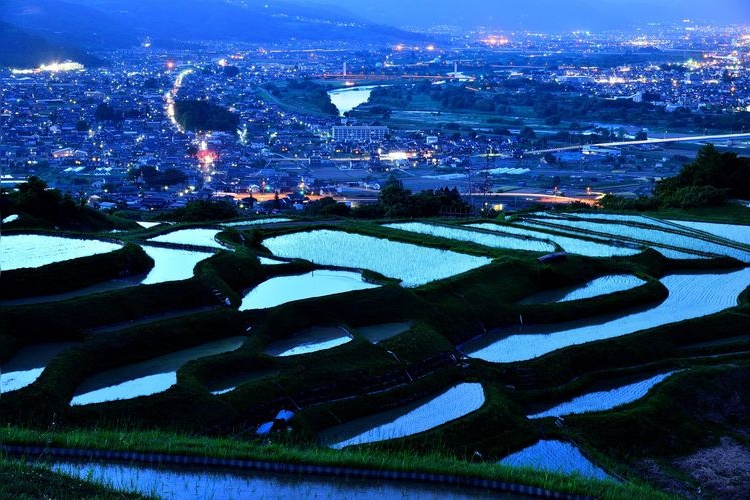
column 348, row 98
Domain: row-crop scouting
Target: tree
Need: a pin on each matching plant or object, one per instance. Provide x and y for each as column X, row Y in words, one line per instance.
column 707, row 181
column 641, row 135
column 82, row 126
column 716, row 169
column 527, row 134
column 201, row 115
column 326, row 207
column 396, row 200
column 202, row 210
column 106, row 113
column 50, row 208
column 231, row 71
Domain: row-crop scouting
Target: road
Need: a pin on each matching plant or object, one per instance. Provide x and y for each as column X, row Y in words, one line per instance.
column 694, row 138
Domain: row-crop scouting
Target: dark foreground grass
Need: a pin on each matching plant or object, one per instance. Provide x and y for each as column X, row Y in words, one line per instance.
column 162, row 442
column 29, row 481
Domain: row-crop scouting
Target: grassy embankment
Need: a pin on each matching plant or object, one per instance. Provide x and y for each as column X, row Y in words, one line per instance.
column 161, row 442
column 21, row 480
column 65, row 276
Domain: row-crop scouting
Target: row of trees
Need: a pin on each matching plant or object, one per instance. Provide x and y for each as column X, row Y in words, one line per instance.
column 155, row 178
column 196, row 115
column 43, row 207
column 708, row 181
column 307, row 91
column 203, row 210
column 396, row 201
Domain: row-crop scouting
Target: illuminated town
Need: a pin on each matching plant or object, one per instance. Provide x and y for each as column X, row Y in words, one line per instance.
column 355, row 249
column 685, row 83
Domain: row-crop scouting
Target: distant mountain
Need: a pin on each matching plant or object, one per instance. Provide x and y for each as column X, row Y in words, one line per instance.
column 23, row 50
column 68, row 23
column 546, row 15
column 113, row 23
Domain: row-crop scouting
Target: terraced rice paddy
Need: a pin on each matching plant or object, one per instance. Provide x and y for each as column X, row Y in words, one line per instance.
column 420, row 324
column 690, row 296
column 314, row 339
column 731, row 232
column 172, row 264
column 595, row 288
column 568, row 243
column 555, row 456
column 229, row 383
column 255, row 222
column 180, row 483
column 604, row 400
column 456, row 402
column 480, row 238
column 413, row 265
column 610, row 218
column 148, row 225
column 147, row 377
column 283, row 289
column 267, row 261
column 35, row 250
column 201, row 237
column 27, row 365
column 656, row 236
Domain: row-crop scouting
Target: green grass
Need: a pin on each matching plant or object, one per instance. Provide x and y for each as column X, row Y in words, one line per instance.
column 23, row 480
column 162, row 442
column 698, row 405
column 341, row 384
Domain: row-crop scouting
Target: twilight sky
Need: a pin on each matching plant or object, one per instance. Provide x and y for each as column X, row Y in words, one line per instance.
column 553, row 15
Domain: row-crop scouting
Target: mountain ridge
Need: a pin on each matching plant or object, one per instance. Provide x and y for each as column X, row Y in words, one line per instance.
column 97, row 24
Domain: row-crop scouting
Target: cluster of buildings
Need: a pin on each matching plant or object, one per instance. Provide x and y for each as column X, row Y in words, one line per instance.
column 96, row 133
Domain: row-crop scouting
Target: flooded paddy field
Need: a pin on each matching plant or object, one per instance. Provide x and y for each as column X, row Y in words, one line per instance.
column 283, row 289
column 310, row 357
column 34, row 250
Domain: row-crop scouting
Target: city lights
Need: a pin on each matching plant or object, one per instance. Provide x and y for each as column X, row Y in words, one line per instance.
column 54, row 67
